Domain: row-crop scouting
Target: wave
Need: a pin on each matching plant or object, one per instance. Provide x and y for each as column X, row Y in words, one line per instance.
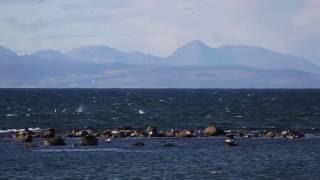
column 37, row 129
column 11, row 115
column 86, row 150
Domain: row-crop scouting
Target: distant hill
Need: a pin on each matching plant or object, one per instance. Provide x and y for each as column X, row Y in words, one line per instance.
column 193, row 65
column 198, row 53
column 49, row 55
column 105, row 54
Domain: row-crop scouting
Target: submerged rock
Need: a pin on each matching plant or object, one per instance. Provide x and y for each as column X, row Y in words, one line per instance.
column 31, row 145
column 138, row 144
column 230, row 140
column 58, row 141
column 168, row 145
column 89, row 140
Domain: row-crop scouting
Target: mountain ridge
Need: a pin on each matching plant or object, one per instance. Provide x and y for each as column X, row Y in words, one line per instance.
column 193, row 65
column 192, row 53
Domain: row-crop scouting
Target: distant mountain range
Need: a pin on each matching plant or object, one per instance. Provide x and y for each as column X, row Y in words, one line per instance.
column 193, row 65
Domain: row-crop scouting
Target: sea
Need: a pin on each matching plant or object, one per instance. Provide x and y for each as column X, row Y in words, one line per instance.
column 189, row 158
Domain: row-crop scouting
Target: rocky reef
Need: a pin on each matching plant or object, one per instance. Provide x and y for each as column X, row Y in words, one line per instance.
column 89, row 137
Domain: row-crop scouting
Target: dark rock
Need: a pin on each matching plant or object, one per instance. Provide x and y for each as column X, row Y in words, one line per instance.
column 161, row 134
column 242, row 134
column 49, row 133
column 97, row 134
column 126, row 133
column 106, row 133
column 269, row 134
column 80, row 133
column 58, row 141
column 137, row 133
column 184, row 133
column 23, row 136
column 292, row 134
column 89, row 140
column 230, row 136
column 214, row 131
column 117, row 133
column 170, row 133
column 152, row 131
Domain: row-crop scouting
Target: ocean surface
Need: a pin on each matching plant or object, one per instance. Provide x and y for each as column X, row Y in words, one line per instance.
column 195, row 158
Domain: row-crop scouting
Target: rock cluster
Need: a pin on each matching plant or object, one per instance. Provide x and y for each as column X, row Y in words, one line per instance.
column 90, row 137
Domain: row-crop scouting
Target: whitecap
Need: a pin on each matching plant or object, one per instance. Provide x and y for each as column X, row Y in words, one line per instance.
column 10, row 130
column 80, row 109
column 11, row 115
column 6, row 131
column 215, row 172
column 37, row 129
column 141, row 112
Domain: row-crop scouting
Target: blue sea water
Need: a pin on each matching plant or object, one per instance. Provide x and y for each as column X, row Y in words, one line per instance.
column 164, row 108
column 193, row 158
column 204, row 158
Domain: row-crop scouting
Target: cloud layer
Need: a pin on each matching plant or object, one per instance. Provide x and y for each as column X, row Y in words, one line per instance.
column 160, row 26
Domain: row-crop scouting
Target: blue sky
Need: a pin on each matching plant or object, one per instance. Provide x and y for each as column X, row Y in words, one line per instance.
column 160, row 26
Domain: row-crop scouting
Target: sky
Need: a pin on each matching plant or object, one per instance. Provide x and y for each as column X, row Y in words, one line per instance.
column 160, row 26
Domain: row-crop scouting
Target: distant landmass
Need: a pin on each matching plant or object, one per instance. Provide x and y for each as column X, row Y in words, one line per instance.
column 193, row 65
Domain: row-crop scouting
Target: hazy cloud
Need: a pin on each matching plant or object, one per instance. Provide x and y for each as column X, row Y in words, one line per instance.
column 160, row 26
